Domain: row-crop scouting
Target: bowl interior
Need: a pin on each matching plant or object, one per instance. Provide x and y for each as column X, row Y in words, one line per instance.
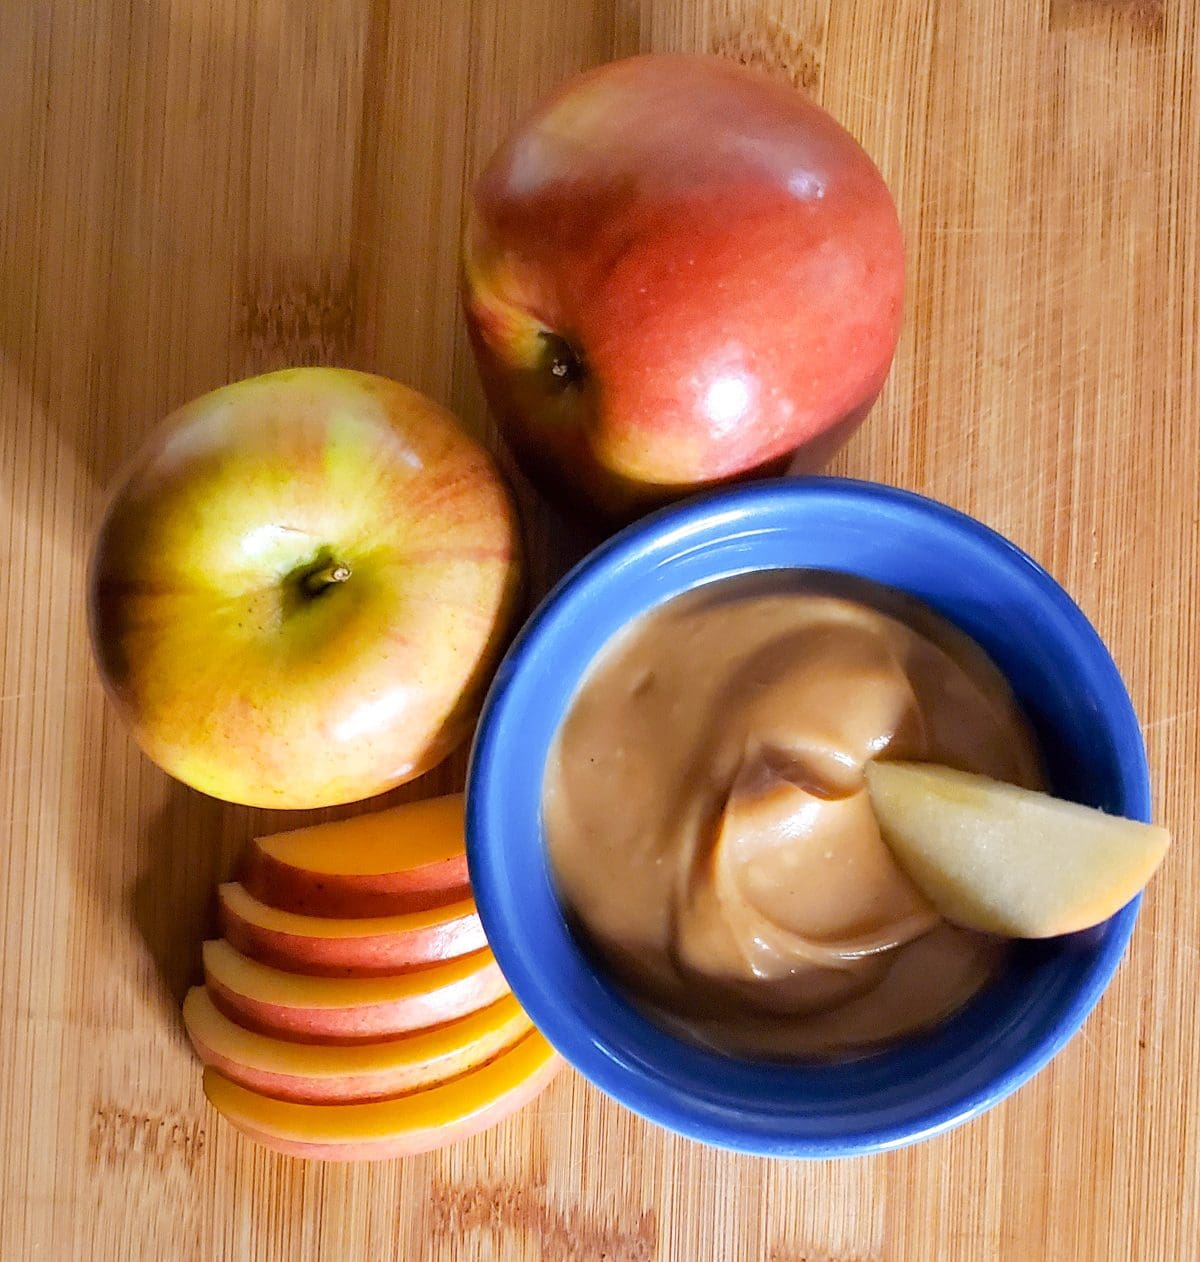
column 1060, row 672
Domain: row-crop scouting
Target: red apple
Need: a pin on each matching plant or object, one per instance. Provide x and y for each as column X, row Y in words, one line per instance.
column 320, row 1074
column 283, row 1004
column 420, row 1121
column 678, row 271
column 337, row 946
column 300, row 587
column 383, row 863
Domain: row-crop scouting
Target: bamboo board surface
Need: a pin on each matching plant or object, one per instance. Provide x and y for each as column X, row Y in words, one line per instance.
column 192, row 192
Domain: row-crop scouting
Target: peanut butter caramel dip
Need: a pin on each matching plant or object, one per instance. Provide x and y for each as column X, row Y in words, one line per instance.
column 709, row 826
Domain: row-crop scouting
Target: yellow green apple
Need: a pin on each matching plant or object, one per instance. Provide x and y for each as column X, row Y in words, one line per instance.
column 300, row 587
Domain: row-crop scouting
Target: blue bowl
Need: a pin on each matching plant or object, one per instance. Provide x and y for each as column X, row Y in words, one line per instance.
column 1057, row 666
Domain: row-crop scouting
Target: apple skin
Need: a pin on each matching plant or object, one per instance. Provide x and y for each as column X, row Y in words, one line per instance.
column 284, row 1070
column 677, row 272
column 300, row 587
column 349, row 1010
column 290, row 888
column 1004, row 859
column 382, row 863
column 419, row 1122
column 347, row 946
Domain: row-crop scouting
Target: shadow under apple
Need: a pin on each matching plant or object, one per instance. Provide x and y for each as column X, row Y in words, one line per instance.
column 193, row 842
column 190, row 844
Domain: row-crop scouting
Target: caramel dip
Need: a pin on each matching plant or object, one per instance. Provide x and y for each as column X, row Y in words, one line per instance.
column 709, row 827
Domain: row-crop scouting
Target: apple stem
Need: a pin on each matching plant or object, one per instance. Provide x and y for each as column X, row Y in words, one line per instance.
column 319, row 580
column 563, row 361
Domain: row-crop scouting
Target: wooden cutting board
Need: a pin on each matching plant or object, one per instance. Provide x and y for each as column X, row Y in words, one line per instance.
column 192, row 192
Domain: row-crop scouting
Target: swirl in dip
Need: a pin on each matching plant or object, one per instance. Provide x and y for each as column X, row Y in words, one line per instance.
column 709, row 827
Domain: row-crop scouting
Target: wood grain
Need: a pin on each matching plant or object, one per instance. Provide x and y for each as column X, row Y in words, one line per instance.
column 192, row 192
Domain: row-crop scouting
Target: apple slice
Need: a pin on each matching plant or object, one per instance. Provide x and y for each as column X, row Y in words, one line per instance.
column 363, row 1071
column 380, row 864
column 1007, row 860
column 338, row 947
column 348, row 1009
column 415, row 1123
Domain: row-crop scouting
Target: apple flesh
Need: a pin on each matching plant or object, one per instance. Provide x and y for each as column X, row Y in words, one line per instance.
column 347, row 1009
column 1008, row 860
column 327, row 1075
column 676, row 272
column 361, row 1037
column 379, row 864
column 341, row 947
column 409, row 1124
column 300, row 587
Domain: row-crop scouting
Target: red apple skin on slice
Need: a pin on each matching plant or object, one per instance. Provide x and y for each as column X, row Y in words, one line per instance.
column 379, row 864
column 295, row 889
column 312, row 1074
column 524, row 1071
column 347, row 1010
column 340, row 947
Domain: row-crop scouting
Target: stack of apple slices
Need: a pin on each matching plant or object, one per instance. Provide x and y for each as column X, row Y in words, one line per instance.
column 353, row 1010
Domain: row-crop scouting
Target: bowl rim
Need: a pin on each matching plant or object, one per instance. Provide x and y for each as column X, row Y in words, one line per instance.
column 617, row 1075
